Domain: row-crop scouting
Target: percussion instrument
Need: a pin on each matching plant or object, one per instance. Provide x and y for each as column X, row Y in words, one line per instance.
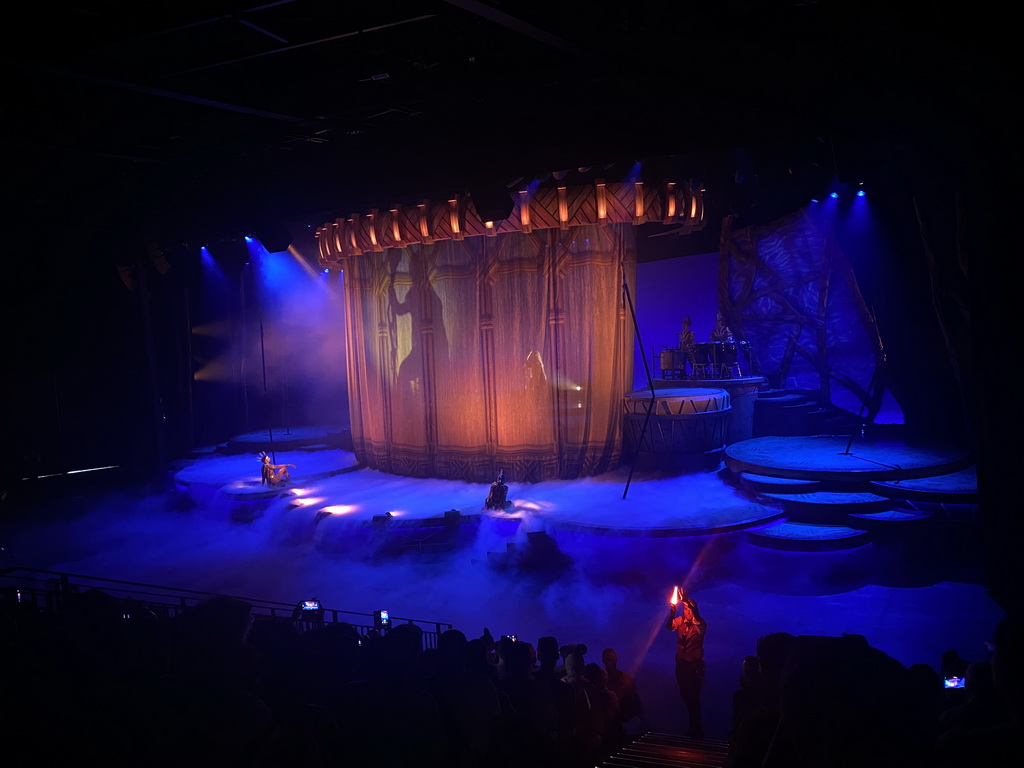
column 682, row 420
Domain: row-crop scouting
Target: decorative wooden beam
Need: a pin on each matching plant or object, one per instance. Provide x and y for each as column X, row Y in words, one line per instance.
column 561, row 208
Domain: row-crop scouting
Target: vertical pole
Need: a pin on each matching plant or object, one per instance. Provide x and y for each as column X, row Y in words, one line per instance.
column 650, row 383
column 156, row 399
column 244, row 350
column 188, row 372
column 263, row 354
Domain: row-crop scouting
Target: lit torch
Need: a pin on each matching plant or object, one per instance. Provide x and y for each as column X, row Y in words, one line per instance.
column 676, row 596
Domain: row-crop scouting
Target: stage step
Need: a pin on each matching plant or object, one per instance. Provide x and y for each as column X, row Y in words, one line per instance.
column 828, row 506
column 808, row 537
column 782, row 413
column 782, row 485
column 795, row 412
column 279, row 440
column 886, row 521
column 770, row 394
column 953, row 488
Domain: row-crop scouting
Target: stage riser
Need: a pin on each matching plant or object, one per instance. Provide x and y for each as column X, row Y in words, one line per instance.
column 808, row 573
column 678, row 463
column 828, row 513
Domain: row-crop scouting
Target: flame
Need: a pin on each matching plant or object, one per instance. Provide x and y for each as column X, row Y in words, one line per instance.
column 676, row 595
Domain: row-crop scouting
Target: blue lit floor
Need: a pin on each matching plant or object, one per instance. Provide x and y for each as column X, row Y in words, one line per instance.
column 602, row 579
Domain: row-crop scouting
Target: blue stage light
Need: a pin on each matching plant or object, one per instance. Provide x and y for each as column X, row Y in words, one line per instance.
column 860, row 193
column 834, row 195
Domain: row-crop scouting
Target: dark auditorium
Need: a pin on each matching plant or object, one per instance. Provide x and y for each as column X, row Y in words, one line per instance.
column 506, row 384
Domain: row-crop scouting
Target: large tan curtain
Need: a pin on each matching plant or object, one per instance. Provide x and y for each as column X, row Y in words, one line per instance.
column 512, row 352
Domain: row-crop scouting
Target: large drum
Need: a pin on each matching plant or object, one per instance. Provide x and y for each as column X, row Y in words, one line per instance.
column 684, row 423
column 722, row 359
column 672, row 362
column 667, row 361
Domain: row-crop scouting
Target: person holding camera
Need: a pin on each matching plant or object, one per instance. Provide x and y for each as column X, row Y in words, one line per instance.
column 685, row 620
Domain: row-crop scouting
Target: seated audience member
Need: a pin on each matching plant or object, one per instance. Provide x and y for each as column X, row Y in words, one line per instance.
column 612, row 734
column 307, row 733
column 468, row 702
column 208, row 709
column 587, row 737
column 564, row 696
column 930, row 696
column 843, row 702
column 998, row 743
column 754, row 729
column 530, row 733
column 982, row 706
column 386, row 718
column 478, row 659
column 746, row 700
column 623, row 685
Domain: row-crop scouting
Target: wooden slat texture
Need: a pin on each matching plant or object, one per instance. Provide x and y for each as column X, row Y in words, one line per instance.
column 548, row 208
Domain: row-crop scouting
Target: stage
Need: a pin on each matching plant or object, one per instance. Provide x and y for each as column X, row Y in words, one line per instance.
column 589, row 560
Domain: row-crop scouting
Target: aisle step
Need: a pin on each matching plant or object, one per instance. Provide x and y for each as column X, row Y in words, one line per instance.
column 661, row 749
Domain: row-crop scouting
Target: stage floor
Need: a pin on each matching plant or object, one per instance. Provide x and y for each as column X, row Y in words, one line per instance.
column 573, row 559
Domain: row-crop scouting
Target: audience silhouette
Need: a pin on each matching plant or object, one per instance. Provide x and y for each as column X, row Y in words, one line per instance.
column 550, row 671
column 621, row 683
column 217, row 686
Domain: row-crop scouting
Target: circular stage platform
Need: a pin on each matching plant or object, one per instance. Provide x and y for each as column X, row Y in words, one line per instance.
column 793, row 496
column 833, row 457
column 240, row 473
column 672, row 518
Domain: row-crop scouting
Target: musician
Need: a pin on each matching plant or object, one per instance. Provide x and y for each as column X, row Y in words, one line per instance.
column 721, row 331
column 686, row 339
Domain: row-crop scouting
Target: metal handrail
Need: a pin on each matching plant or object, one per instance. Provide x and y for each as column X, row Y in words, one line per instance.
column 47, row 590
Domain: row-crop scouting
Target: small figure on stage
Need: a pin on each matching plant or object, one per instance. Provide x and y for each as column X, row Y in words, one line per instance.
column 273, row 474
column 498, row 492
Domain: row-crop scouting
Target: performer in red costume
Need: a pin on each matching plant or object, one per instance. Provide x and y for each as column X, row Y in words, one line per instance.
column 685, row 620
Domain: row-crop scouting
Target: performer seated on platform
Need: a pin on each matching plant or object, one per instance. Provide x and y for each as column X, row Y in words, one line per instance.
column 274, row 474
column 498, row 492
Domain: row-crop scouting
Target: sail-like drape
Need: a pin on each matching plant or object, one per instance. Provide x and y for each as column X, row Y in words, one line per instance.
column 511, row 352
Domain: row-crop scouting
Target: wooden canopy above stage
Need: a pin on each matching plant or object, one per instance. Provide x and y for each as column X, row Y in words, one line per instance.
column 469, row 353
column 560, row 207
